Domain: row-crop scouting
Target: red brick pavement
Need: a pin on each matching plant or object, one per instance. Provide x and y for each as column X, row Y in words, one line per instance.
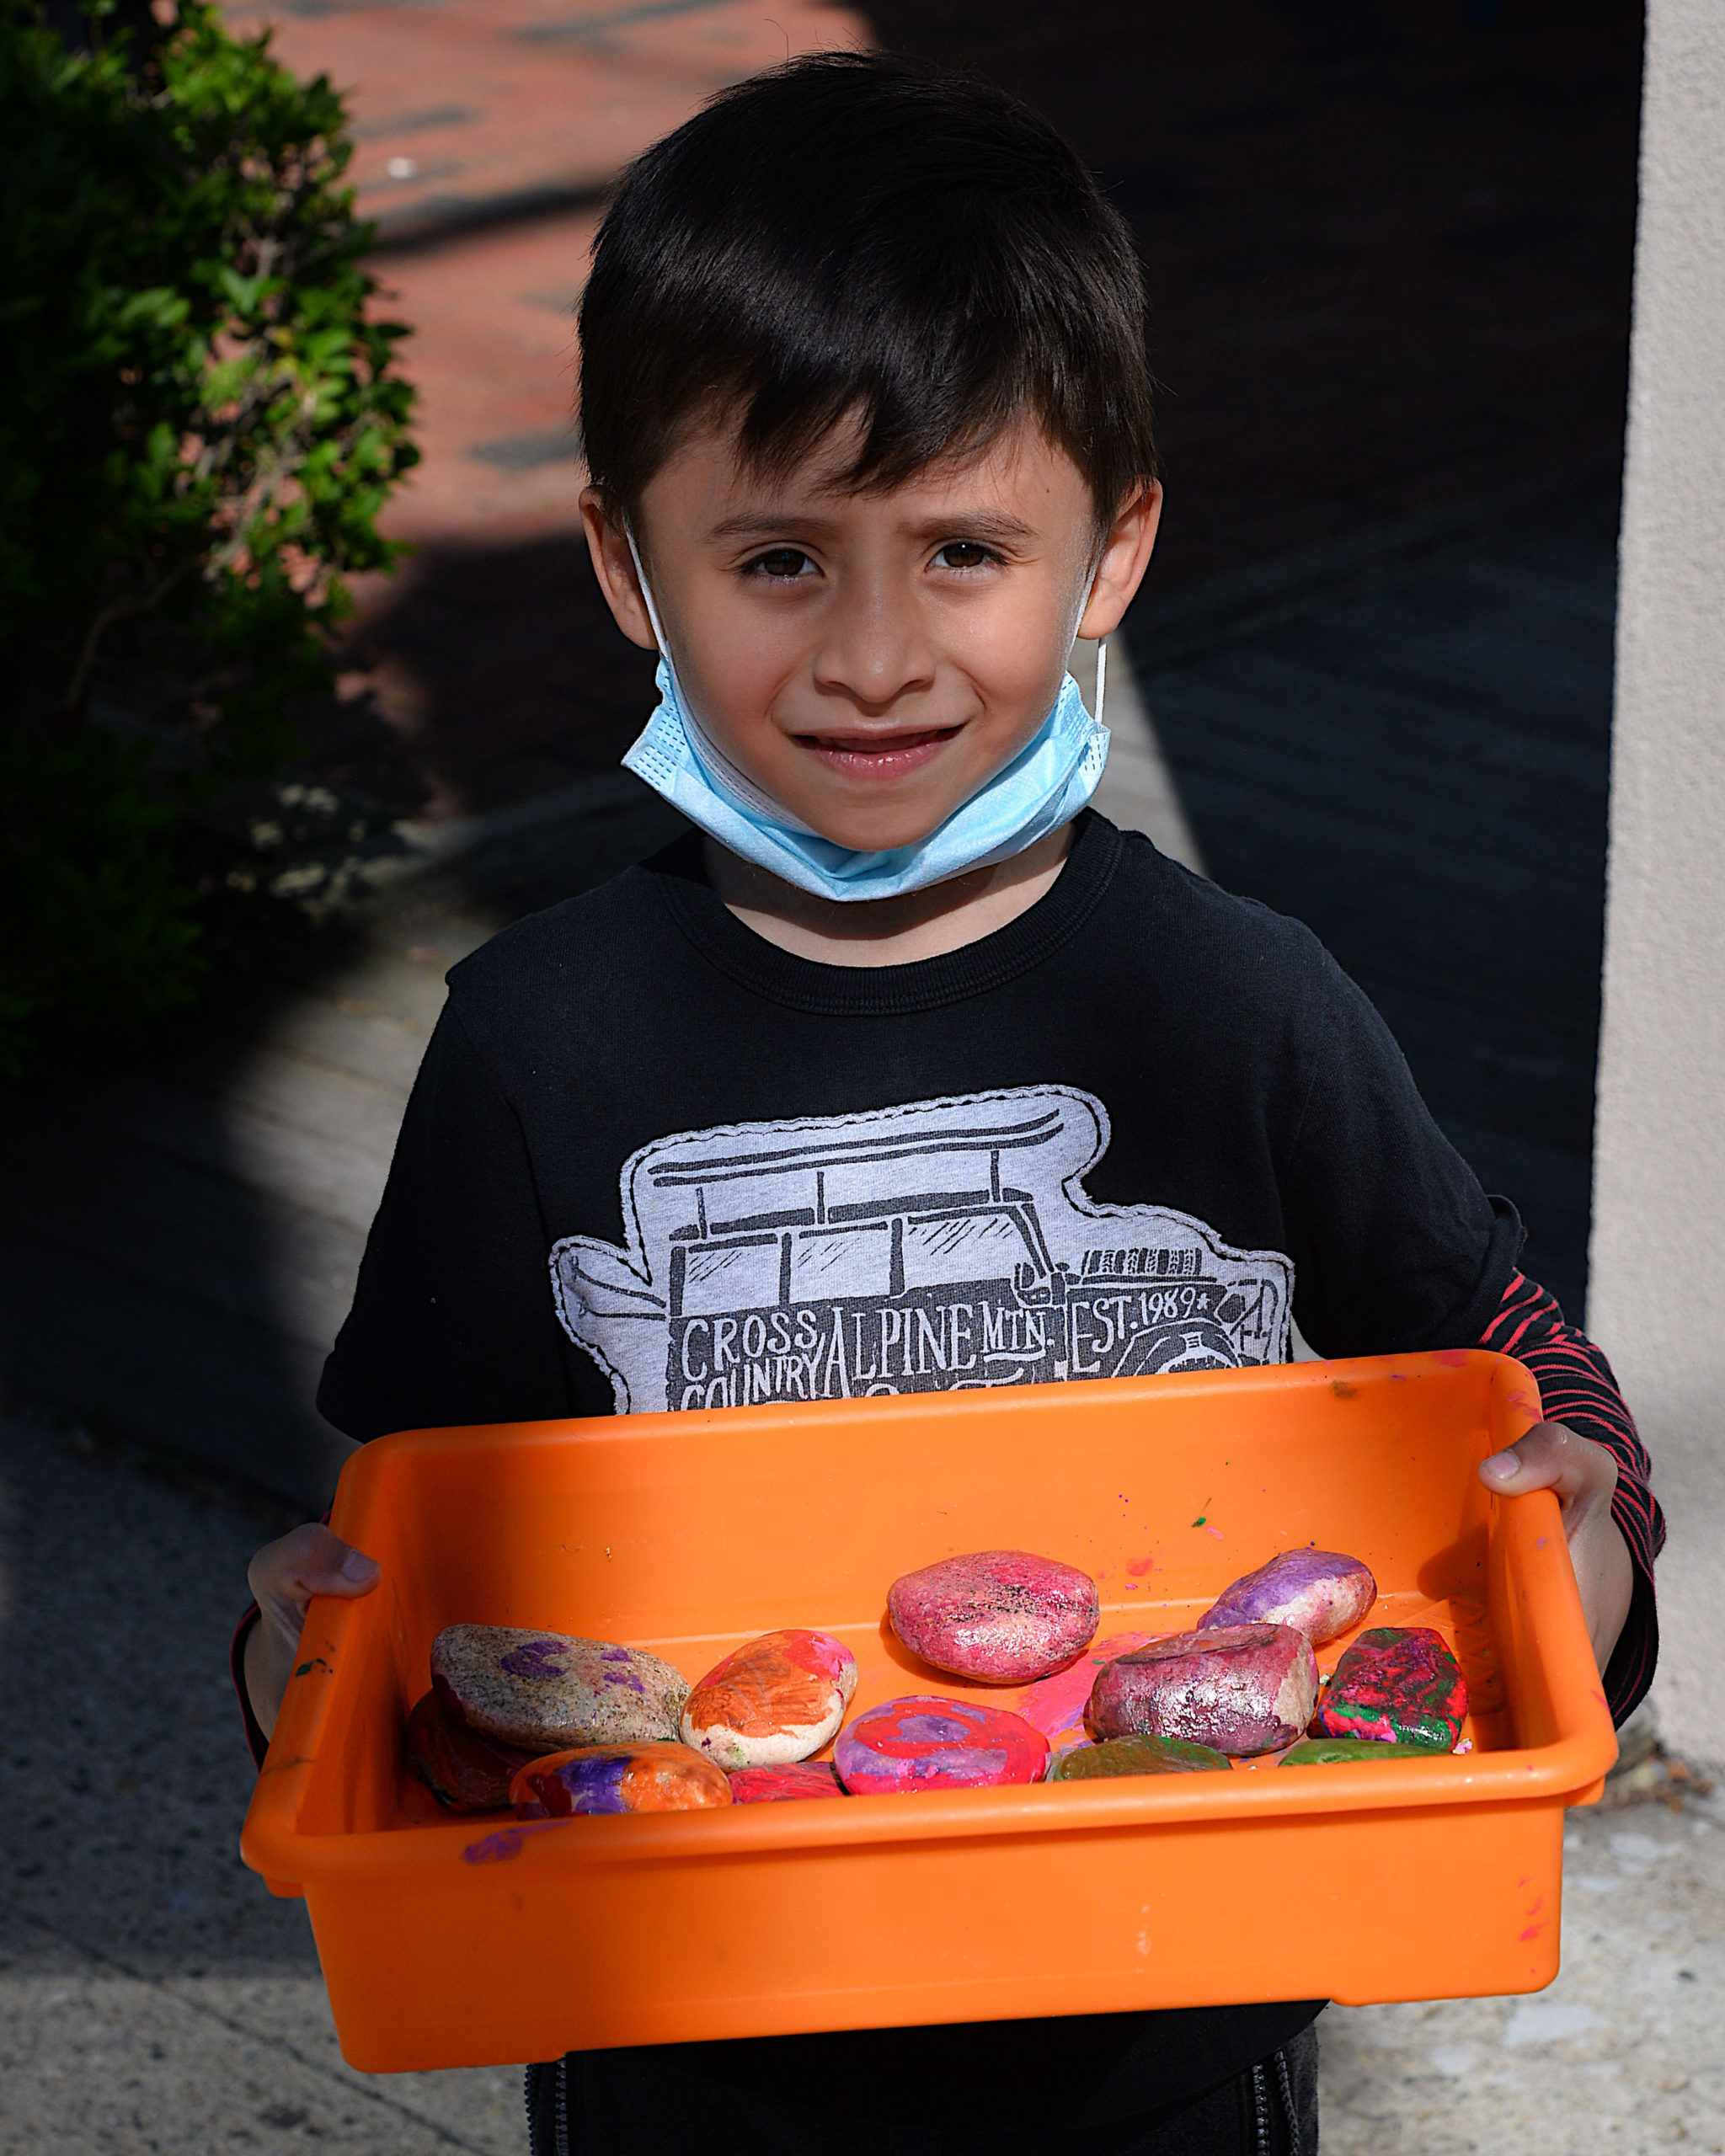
column 1389, row 249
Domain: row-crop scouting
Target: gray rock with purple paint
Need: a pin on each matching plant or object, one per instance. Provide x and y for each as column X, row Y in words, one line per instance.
column 1241, row 1688
column 1319, row 1591
column 548, row 1692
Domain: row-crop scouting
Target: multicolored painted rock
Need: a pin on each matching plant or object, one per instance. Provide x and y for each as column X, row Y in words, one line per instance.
column 1242, row 1688
column 1056, row 1705
column 1135, row 1755
column 999, row 1616
column 1318, row 1592
column 462, row 1770
column 542, row 1692
column 1397, row 1686
column 652, row 1777
column 1346, row 1751
column 928, row 1743
column 786, row 1785
column 777, row 1700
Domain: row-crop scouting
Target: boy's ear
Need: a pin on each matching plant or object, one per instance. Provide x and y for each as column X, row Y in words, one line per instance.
column 614, row 566
column 1126, row 556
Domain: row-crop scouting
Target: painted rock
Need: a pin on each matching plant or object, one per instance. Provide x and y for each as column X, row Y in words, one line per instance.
column 1242, row 1688
column 1000, row 1616
column 785, row 1785
column 1343, row 1751
column 1398, row 1687
column 462, row 1768
column 543, row 1691
column 928, row 1743
column 1318, row 1592
column 778, row 1698
column 652, row 1777
column 1135, row 1755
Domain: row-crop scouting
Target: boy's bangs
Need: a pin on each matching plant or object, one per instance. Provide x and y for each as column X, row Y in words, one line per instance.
column 857, row 237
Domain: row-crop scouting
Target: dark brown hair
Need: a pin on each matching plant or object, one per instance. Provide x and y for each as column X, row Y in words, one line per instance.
column 863, row 232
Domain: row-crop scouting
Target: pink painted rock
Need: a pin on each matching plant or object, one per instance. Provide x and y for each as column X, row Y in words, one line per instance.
column 776, row 1700
column 1000, row 1616
column 462, row 1770
column 542, row 1691
column 650, row 1777
column 1318, row 1592
column 785, row 1785
column 928, row 1742
column 1241, row 1688
column 1397, row 1685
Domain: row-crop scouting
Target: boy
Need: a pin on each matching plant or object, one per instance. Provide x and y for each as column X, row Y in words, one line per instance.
column 904, row 1032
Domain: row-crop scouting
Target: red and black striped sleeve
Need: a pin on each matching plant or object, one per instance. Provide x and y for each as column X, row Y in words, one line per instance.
column 1577, row 1389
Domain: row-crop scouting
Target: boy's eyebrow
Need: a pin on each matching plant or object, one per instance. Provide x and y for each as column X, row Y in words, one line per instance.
column 962, row 523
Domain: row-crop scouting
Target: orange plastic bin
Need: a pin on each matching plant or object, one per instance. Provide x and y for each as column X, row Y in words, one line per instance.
column 467, row 1941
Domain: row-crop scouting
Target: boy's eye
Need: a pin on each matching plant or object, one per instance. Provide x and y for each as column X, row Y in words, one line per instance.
column 962, row 554
column 783, row 561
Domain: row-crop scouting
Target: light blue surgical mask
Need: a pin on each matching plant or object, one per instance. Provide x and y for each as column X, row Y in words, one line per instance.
column 1045, row 786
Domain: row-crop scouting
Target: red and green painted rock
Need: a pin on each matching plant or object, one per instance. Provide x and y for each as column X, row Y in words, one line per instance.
column 1347, row 1751
column 462, row 1770
column 1319, row 1591
column 1135, row 1755
column 925, row 1741
column 1398, row 1685
column 650, row 1777
column 774, row 1700
column 998, row 1616
column 544, row 1691
column 1242, row 1688
column 805, row 1778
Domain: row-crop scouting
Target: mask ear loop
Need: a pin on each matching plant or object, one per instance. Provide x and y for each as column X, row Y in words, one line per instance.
column 1101, row 676
column 654, row 622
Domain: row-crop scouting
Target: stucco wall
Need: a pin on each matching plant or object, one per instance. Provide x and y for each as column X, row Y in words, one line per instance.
column 1657, row 1301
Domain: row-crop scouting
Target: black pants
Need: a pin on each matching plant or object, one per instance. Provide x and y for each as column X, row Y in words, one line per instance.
column 579, row 2107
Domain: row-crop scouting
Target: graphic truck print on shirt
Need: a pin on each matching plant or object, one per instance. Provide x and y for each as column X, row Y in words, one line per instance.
column 918, row 1248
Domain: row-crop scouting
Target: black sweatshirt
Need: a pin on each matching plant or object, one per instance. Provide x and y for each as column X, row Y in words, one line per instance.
column 653, row 1161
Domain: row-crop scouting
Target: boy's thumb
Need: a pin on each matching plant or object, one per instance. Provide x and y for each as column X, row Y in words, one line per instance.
column 361, row 1570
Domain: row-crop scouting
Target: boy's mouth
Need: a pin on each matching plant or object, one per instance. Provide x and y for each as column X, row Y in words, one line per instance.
column 878, row 756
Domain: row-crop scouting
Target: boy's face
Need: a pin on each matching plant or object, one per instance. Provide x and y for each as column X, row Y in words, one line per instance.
column 870, row 660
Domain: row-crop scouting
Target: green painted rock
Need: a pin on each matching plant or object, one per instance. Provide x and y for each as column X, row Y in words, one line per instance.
column 1135, row 1755
column 1339, row 1751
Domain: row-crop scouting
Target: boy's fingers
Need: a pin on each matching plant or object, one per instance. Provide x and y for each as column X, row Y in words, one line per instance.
column 285, row 1575
column 1549, row 1457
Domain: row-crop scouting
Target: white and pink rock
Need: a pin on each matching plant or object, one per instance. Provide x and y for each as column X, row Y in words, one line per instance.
column 1319, row 1591
column 999, row 1616
column 1240, row 1688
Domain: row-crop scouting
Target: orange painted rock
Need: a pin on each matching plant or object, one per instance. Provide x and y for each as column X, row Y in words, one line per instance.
column 462, row 1770
column 999, row 1616
column 1318, row 1592
column 777, row 1700
column 1242, row 1688
column 928, row 1742
column 544, row 1691
column 785, row 1785
column 653, row 1777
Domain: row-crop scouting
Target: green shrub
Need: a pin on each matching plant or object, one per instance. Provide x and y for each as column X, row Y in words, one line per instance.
column 199, row 426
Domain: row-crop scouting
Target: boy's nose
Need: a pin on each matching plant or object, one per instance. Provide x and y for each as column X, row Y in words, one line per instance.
column 875, row 651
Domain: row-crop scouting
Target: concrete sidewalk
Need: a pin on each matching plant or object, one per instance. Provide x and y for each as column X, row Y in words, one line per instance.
column 154, row 1998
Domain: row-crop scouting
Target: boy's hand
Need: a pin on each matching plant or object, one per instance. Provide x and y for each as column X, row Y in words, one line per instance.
column 283, row 1577
column 1584, row 1476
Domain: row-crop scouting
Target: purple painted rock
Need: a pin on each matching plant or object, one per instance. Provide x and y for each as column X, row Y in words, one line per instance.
column 1135, row 1755
column 543, row 1691
column 1242, row 1688
column 1397, row 1686
column 462, row 1768
column 928, row 1743
column 777, row 1700
column 651, row 1777
column 785, row 1785
column 999, row 1616
column 1318, row 1592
